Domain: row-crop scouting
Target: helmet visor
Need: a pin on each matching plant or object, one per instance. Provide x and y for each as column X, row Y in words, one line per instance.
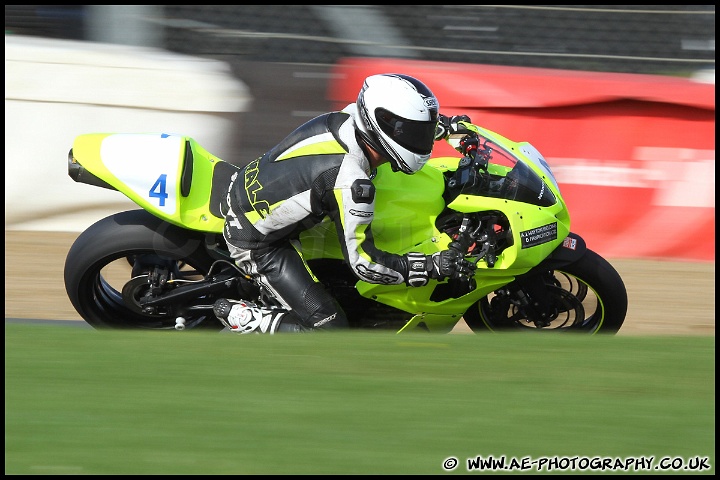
column 414, row 135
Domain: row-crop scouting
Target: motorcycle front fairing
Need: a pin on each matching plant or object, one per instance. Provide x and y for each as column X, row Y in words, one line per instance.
column 512, row 178
column 507, row 180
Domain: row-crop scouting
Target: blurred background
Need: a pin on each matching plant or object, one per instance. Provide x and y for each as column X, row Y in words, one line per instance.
column 656, row 39
column 619, row 99
column 263, row 43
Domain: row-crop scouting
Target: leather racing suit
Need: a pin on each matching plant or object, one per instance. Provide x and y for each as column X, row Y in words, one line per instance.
column 318, row 171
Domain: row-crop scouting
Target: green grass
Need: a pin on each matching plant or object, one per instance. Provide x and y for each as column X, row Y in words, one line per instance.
column 79, row 401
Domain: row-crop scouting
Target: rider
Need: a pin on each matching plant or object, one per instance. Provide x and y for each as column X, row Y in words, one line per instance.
column 323, row 168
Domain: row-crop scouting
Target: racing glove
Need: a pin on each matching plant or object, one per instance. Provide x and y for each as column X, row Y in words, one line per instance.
column 449, row 125
column 438, row 266
column 468, row 145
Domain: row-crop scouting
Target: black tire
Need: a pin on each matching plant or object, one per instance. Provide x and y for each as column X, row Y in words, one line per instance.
column 99, row 266
column 589, row 295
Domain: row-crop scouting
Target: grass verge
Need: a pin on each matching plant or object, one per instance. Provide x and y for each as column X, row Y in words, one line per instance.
column 80, row 401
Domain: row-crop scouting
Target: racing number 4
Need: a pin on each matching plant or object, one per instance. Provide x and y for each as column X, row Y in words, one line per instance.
column 158, row 189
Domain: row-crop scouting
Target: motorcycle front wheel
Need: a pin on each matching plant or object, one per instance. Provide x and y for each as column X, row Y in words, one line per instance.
column 115, row 262
column 587, row 296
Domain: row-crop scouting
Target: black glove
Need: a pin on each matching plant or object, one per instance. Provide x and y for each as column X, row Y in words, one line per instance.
column 449, row 263
column 468, row 145
column 449, row 126
column 438, row 266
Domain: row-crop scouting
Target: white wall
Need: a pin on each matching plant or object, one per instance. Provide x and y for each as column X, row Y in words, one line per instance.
column 58, row 89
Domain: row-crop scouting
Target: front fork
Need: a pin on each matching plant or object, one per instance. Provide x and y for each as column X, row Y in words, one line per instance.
column 529, row 298
column 530, row 293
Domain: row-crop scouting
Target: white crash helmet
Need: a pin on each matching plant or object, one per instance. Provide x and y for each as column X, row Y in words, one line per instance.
column 398, row 116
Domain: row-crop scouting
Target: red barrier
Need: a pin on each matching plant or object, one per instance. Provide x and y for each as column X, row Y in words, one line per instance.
column 634, row 154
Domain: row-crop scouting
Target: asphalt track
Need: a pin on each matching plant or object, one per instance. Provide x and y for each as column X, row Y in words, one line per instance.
column 665, row 297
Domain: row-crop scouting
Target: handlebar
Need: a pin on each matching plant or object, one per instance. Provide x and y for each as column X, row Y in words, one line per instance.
column 481, row 238
column 477, row 155
column 474, row 163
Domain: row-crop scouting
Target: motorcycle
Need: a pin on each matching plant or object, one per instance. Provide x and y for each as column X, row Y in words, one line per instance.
column 162, row 266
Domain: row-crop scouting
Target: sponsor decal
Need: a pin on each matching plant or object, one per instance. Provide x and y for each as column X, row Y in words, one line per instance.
column 325, row 320
column 253, row 188
column 375, row 277
column 539, row 235
column 360, row 213
column 431, row 102
column 570, row 243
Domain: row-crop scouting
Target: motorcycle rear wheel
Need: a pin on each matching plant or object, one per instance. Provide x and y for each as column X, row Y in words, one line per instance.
column 108, row 265
column 587, row 296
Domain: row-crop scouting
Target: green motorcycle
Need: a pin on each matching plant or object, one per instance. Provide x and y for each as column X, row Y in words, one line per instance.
column 163, row 265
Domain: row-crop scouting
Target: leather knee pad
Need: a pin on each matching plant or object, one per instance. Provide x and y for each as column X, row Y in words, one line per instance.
column 325, row 311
